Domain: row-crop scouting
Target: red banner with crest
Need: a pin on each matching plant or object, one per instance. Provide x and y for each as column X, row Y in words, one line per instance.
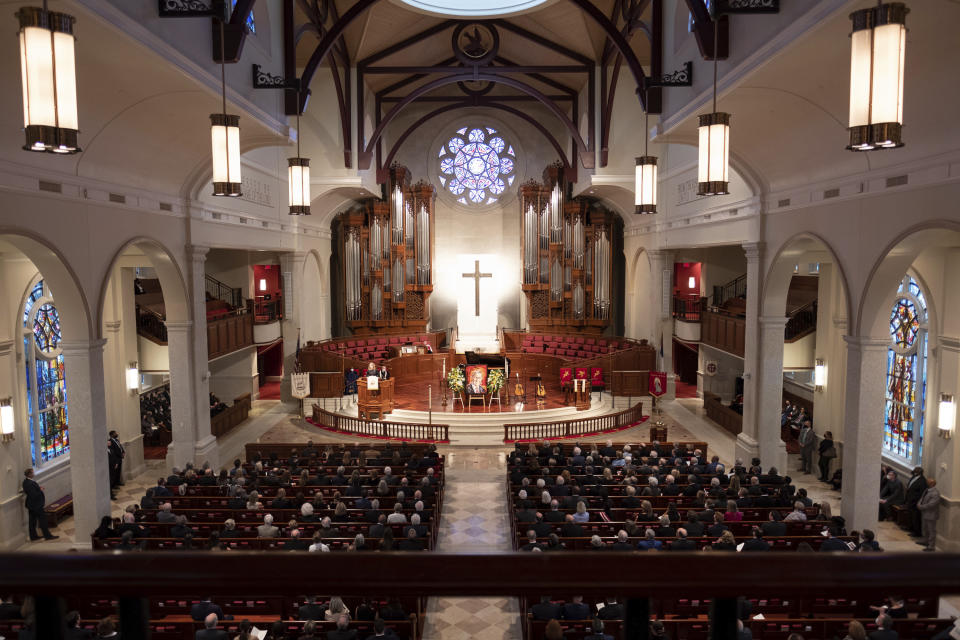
column 658, row 383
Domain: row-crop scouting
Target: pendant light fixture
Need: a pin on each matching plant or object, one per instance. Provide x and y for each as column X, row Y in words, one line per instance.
column 645, row 189
column 49, row 77
column 298, row 177
column 225, row 139
column 877, row 47
column 713, row 178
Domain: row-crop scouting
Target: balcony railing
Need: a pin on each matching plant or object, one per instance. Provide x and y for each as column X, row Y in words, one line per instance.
column 688, row 309
column 635, row 578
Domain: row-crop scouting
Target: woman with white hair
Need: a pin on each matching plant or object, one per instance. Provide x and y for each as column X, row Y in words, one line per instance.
column 336, row 609
column 306, row 513
column 581, row 515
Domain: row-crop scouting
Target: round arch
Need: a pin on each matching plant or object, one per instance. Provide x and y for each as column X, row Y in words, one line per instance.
column 175, row 298
column 893, row 261
column 776, row 281
column 71, row 300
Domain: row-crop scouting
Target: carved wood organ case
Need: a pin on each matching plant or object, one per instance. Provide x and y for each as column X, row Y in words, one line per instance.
column 388, row 257
column 567, row 258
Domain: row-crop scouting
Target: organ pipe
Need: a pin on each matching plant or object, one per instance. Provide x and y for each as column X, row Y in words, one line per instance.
column 423, row 246
column 396, row 215
column 530, row 245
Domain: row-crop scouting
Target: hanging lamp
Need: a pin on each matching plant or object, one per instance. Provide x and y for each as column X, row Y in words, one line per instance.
column 49, row 77
column 645, row 188
column 713, row 175
column 877, row 48
column 225, row 140
column 298, row 178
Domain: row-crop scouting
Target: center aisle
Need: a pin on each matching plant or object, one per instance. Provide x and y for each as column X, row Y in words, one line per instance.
column 473, row 520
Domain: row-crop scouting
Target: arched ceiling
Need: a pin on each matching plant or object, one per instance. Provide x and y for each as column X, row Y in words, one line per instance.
column 789, row 117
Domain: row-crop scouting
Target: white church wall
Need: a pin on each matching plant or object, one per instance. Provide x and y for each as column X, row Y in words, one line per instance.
column 234, row 268
column 729, row 368
column 234, row 375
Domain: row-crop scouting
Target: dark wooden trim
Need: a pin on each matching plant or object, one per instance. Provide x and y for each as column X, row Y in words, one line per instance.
column 789, row 574
column 566, row 428
column 703, row 30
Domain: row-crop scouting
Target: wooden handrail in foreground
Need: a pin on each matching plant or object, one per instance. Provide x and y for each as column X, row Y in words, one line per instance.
column 576, row 427
column 635, row 577
column 377, row 428
column 678, row 574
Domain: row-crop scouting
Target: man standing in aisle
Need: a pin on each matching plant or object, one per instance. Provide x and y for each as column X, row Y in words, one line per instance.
column 929, row 506
column 115, row 455
column 808, row 441
column 35, row 502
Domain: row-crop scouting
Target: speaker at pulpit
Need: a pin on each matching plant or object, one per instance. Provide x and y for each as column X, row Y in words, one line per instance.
column 374, row 399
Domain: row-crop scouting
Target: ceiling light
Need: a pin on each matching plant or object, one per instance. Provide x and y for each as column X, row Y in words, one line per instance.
column 225, row 140
column 645, row 185
column 713, row 177
column 298, row 179
column 877, row 47
column 49, row 77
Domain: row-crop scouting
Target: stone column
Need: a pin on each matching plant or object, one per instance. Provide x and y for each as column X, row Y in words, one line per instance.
column 89, row 472
column 769, row 391
column 291, row 271
column 941, row 457
column 747, row 445
column 863, row 431
column 14, row 455
column 661, row 270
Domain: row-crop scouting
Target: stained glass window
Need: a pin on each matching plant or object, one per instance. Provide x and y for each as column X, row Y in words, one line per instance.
column 46, row 384
column 251, row 26
column 906, row 374
column 477, row 165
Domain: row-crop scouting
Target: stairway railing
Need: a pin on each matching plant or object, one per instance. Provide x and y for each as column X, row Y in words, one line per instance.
column 736, row 288
column 801, row 321
column 222, row 291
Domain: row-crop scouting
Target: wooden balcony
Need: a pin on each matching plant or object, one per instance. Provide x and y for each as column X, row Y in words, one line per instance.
column 723, row 331
column 226, row 420
column 228, row 333
column 722, row 414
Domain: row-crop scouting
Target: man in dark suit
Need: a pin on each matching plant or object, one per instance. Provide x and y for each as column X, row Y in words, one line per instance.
column 381, row 630
column 115, row 455
column 210, row 631
column 774, row 525
column 596, row 631
column 74, row 630
column 546, row 610
column 571, row 529
column 531, row 542
column 891, row 495
column 884, row 631
column 682, row 543
column 756, row 543
column 342, row 632
column 201, row 610
column 411, row 542
column 311, row 610
column 833, row 544
column 34, row 503
column 915, row 488
column 694, row 526
column 541, row 528
column 611, row 610
column 576, row 609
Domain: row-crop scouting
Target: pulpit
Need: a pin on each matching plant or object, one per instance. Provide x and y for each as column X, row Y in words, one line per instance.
column 372, row 401
column 582, row 392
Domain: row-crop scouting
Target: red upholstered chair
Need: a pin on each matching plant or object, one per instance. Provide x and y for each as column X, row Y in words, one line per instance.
column 549, row 350
column 591, row 341
column 579, row 340
column 582, row 373
column 566, row 376
column 596, row 378
column 394, row 340
column 382, row 341
column 351, row 343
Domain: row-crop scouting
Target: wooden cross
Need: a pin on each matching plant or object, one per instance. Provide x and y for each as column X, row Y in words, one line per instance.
column 476, row 275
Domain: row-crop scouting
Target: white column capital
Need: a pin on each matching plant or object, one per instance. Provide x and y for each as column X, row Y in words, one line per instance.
column 182, row 327
column 81, row 347
column 752, row 250
column 866, row 343
column 197, row 253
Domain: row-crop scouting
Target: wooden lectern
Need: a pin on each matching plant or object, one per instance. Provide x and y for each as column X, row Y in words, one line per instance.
column 374, row 401
column 582, row 391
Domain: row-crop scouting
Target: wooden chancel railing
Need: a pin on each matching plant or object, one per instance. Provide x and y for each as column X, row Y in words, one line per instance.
column 580, row 426
column 134, row 578
column 380, row 429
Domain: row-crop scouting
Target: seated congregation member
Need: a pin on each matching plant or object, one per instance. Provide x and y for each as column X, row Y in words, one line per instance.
column 891, row 495
column 74, row 630
column 411, row 542
column 295, row 543
column 756, row 543
column 181, row 529
column 546, row 610
column 531, row 541
column 165, row 514
column 596, row 631
column 868, row 541
column 726, row 542
column 649, row 542
column 570, row 528
column 610, row 609
column 381, row 630
column 681, row 543
column 884, row 629
column 107, row 630
column 200, row 610
column 105, row 530
column 575, row 609
column 393, row 610
column 622, row 543
column 210, row 631
column 797, row 515
column 267, row 530
column 832, row 543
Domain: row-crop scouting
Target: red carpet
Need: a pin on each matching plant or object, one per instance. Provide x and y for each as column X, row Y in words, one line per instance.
column 270, row 391
column 685, row 390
